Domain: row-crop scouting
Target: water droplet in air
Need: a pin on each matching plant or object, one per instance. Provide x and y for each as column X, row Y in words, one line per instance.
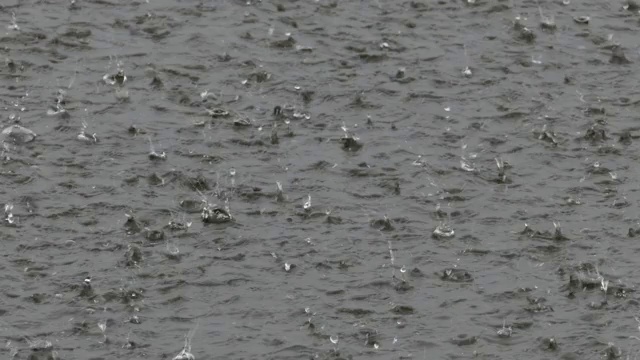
column 334, row 339
column 232, row 172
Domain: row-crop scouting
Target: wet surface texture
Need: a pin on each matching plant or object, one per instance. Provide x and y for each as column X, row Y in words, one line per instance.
column 319, row 179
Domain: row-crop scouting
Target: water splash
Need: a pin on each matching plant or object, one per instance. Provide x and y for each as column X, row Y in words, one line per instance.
column 87, row 138
column 172, row 249
column 307, row 204
column 186, row 354
column 279, row 192
column 467, row 71
column 8, row 212
column 546, row 22
column 102, row 325
column 232, row 173
column 153, row 155
column 505, row 332
column 466, row 165
column 392, row 259
column 14, row 23
column 334, row 340
column 443, row 231
column 13, row 349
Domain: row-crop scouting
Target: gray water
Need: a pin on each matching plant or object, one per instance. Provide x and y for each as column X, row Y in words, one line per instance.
column 400, row 118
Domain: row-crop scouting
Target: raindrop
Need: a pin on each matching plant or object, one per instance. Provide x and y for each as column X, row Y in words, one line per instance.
column 334, row 339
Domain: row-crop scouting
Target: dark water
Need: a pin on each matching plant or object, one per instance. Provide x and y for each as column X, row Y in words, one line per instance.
column 358, row 274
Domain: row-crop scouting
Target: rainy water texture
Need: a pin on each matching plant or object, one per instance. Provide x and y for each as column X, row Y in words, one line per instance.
column 319, row 179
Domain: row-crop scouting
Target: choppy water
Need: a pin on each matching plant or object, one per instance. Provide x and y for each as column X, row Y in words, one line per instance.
column 456, row 183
